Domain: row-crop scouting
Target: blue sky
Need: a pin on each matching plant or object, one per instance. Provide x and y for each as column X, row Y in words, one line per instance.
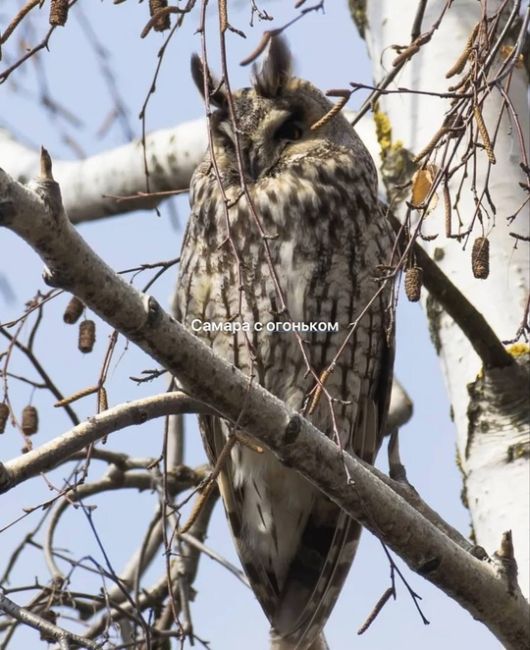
column 329, row 52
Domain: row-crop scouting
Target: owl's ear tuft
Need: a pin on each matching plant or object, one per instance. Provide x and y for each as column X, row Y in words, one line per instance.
column 271, row 79
column 216, row 92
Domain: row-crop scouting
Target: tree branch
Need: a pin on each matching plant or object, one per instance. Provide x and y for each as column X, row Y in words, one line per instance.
column 59, row 449
column 46, row 628
column 38, row 217
column 90, row 186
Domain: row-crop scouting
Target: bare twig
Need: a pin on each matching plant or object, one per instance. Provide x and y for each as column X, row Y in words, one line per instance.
column 23, row 11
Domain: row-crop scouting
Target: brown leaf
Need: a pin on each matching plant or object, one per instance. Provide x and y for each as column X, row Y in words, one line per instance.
column 421, row 186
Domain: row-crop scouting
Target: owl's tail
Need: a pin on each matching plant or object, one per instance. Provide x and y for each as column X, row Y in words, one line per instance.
column 278, row 643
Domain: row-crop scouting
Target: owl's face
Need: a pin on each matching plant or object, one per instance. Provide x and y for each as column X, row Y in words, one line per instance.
column 274, row 118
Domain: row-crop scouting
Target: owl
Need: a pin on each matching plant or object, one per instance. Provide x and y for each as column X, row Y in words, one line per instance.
column 279, row 276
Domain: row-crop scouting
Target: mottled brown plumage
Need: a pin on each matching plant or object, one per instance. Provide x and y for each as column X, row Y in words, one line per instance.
column 315, row 196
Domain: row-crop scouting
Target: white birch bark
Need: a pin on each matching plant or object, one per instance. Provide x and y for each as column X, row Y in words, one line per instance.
column 490, row 409
column 89, row 185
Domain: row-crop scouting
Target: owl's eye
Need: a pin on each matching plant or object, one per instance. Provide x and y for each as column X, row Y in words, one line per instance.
column 290, row 130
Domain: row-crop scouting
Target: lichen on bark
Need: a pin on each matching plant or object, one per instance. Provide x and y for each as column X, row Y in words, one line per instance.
column 358, row 14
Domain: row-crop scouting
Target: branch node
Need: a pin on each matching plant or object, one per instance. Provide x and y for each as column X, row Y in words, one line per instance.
column 479, row 552
column 154, row 311
column 429, row 566
column 292, row 430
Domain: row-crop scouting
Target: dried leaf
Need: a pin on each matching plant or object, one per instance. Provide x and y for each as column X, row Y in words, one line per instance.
column 422, row 182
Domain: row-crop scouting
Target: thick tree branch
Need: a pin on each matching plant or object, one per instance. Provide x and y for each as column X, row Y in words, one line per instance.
column 71, row 443
column 37, row 216
column 90, row 186
column 472, row 323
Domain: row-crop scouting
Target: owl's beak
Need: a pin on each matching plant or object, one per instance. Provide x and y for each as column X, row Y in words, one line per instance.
column 254, row 162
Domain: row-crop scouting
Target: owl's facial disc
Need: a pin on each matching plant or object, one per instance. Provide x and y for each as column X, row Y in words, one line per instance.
column 265, row 132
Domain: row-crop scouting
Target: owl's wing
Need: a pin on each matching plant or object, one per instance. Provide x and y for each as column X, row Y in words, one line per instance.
column 330, row 539
column 263, row 583
column 323, row 560
column 316, row 576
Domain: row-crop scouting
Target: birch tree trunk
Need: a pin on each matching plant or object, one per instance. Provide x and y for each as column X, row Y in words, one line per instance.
column 490, row 405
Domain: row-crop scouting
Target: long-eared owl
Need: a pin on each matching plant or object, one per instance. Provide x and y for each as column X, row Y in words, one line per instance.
column 285, row 240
